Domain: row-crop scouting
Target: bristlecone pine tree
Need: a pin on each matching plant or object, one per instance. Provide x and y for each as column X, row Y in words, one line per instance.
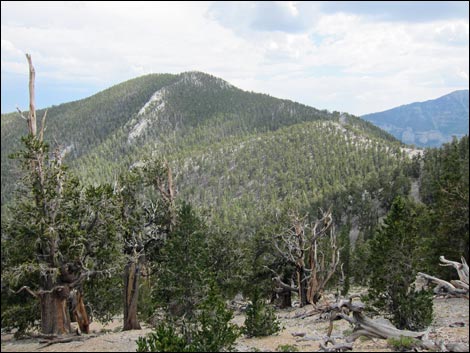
column 58, row 235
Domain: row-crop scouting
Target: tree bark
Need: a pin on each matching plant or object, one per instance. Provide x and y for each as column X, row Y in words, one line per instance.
column 55, row 318
column 131, row 296
column 313, row 293
column 302, row 285
column 79, row 312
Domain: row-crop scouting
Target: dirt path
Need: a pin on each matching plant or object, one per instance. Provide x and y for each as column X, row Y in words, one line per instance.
column 450, row 325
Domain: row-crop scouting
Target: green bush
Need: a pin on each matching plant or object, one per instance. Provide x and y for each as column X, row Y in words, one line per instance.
column 414, row 310
column 214, row 331
column 164, row 339
column 209, row 331
column 260, row 318
column 286, row 348
column 20, row 317
column 401, row 344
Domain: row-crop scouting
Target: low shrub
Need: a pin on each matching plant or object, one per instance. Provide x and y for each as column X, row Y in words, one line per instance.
column 260, row 319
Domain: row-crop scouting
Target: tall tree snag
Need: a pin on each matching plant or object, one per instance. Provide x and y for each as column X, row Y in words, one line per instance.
column 55, row 317
column 293, row 247
column 320, row 242
column 32, row 108
column 322, row 266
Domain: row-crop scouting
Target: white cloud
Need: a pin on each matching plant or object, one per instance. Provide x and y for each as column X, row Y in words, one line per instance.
column 338, row 61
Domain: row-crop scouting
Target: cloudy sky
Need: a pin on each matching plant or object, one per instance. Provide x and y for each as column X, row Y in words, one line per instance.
column 357, row 57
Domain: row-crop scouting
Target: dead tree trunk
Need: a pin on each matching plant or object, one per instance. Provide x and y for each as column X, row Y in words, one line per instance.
column 323, row 258
column 322, row 268
column 295, row 242
column 364, row 326
column 32, row 108
column 131, row 294
column 301, row 284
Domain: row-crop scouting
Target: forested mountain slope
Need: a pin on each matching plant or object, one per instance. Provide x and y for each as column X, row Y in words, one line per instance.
column 246, row 153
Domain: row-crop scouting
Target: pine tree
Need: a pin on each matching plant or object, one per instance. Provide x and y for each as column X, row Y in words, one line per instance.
column 393, row 260
column 183, row 270
column 260, row 318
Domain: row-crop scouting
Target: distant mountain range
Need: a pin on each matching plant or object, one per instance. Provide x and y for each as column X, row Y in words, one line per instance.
column 426, row 124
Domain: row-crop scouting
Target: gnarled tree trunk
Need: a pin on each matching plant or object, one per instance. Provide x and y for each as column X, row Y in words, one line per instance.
column 55, row 318
column 301, row 284
column 131, row 295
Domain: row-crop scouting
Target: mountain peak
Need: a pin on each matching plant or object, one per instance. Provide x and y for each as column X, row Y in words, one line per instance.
column 199, row 78
column 429, row 123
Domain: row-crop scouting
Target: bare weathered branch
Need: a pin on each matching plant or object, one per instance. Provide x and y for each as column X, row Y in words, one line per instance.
column 32, row 108
column 460, row 284
column 43, row 127
column 285, row 285
column 29, row 290
column 449, row 287
column 21, row 114
column 462, row 268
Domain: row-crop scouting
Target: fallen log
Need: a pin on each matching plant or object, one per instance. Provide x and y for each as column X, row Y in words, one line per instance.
column 457, row 288
column 444, row 285
column 364, row 326
column 376, row 328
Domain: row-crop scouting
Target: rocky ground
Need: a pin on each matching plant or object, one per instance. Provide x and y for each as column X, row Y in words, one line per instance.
column 450, row 326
